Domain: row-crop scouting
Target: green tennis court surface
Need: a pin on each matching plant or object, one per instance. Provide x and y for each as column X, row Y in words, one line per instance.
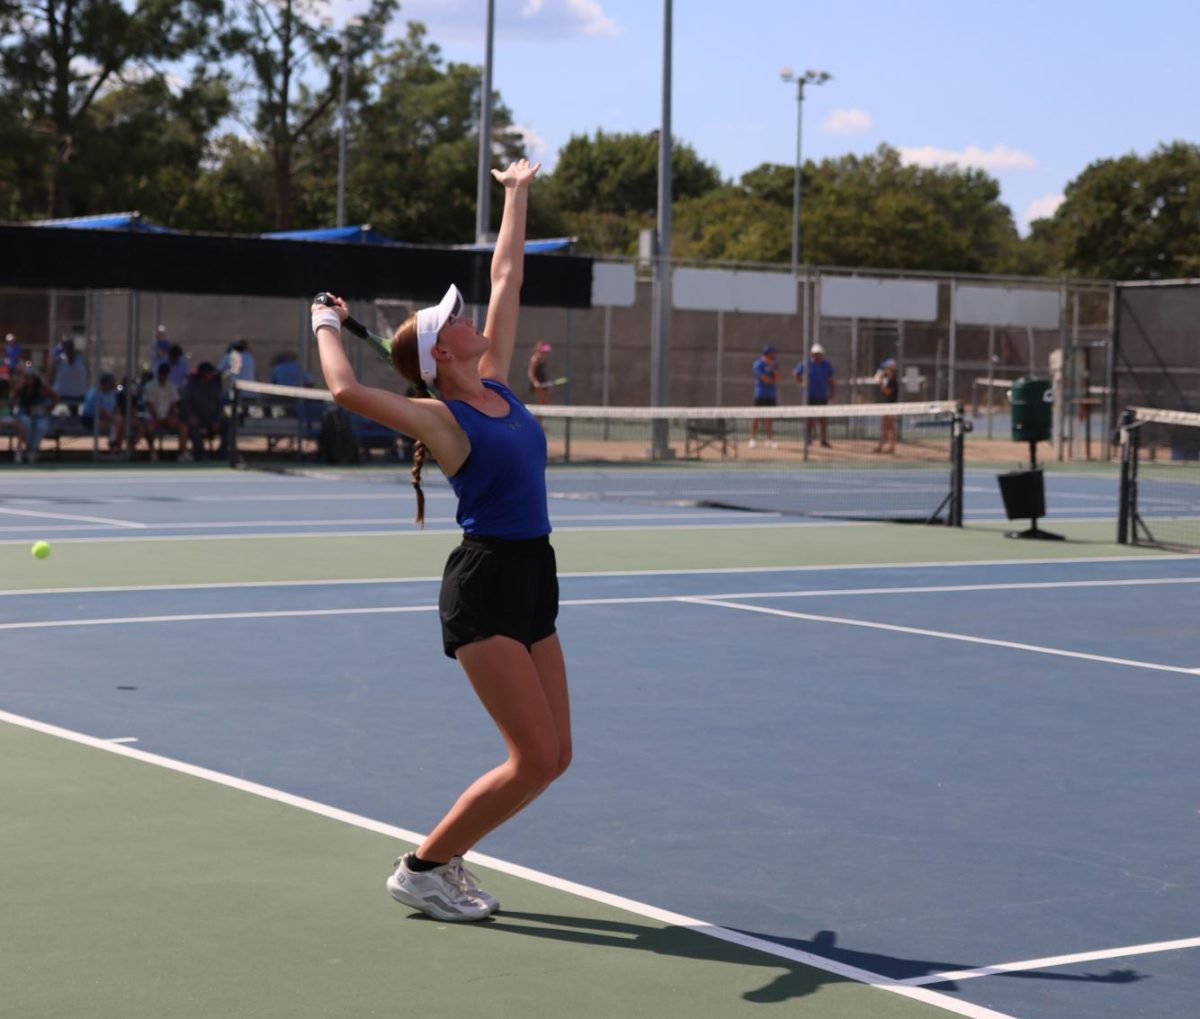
column 853, row 839
column 132, row 890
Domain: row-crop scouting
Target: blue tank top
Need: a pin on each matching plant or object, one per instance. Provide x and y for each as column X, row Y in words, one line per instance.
column 501, row 488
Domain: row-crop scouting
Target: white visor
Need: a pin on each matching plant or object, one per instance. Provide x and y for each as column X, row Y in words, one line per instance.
column 429, row 324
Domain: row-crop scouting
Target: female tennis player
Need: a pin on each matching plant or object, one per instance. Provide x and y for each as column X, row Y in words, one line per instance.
column 499, row 596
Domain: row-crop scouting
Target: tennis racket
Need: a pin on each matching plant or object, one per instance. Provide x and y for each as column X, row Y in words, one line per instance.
column 562, row 380
column 381, row 346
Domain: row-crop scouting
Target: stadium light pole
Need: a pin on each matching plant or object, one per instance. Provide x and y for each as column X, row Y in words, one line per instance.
column 807, row 78
column 484, row 183
column 660, row 330
column 343, row 100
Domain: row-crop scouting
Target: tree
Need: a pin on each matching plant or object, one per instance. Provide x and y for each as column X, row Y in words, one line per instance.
column 62, row 55
column 857, row 211
column 1130, row 218
column 619, row 173
column 730, row 225
column 415, row 146
column 143, row 147
column 293, row 60
column 607, row 187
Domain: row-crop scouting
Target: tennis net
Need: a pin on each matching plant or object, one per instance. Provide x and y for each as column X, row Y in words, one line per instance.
column 900, row 461
column 1160, row 479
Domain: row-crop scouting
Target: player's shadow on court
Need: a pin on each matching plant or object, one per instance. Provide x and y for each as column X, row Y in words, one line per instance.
column 797, row 979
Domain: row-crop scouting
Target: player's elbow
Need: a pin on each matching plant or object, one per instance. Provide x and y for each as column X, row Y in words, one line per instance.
column 507, row 274
column 344, row 392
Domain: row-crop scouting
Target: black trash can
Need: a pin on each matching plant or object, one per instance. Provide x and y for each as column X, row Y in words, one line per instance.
column 1024, row 494
column 1032, row 410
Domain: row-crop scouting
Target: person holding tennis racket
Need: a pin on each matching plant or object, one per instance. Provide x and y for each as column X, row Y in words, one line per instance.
column 499, row 596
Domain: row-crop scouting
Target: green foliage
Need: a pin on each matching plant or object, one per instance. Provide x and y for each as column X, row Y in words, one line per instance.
column 618, row 173
column 222, row 115
column 282, row 47
column 143, row 145
column 875, row 211
column 1130, row 218
column 728, row 224
column 415, row 146
column 62, row 56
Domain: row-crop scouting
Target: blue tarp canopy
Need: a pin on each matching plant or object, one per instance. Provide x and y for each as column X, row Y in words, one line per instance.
column 108, row 221
column 536, row 247
column 361, row 234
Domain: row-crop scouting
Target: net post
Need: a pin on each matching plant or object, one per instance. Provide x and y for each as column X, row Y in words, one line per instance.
column 957, row 449
column 1127, row 500
column 232, row 439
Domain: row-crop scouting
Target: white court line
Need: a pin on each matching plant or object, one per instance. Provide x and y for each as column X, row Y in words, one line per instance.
column 709, row 515
column 944, row 635
column 642, row 909
column 723, row 600
column 1053, row 961
column 209, row 617
column 123, row 739
column 71, row 516
column 684, row 572
column 413, row 532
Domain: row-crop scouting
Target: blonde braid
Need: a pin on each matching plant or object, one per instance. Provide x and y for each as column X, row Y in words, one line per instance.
column 418, row 462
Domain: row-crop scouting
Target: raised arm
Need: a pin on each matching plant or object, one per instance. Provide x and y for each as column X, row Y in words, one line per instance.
column 508, row 267
column 427, row 420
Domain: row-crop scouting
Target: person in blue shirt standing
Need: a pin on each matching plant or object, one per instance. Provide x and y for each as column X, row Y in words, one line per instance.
column 821, row 386
column 499, row 597
column 286, row 370
column 766, row 375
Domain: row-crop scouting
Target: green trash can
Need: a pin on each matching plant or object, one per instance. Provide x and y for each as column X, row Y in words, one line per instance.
column 1032, row 410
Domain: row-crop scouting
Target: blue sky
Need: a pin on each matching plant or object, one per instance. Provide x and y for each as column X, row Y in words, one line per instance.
column 1031, row 92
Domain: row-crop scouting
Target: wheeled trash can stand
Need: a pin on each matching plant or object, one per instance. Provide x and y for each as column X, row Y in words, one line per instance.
column 1024, row 492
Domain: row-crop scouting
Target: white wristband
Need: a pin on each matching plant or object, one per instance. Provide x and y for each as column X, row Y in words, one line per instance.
column 325, row 317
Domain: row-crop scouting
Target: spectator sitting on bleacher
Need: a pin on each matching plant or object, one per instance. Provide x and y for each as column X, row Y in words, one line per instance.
column 33, row 401
column 201, row 408
column 99, row 410
column 178, row 362
column 287, row 371
column 238, row 362
column 12, row 354
column 162, row 412
column 160, row 352
column 7, row 421
column 70, row 377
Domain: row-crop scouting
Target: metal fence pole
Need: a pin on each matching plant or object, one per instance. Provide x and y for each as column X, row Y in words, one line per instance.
column 1110, row 373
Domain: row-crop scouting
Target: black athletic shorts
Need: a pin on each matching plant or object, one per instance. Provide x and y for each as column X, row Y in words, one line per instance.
column 764, row 401
column 498, row 587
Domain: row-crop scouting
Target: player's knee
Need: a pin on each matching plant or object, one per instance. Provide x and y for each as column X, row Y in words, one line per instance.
column 536, row 766
column 564, row 759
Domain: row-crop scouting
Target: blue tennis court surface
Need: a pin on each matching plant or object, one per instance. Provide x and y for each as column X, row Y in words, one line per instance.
column 975, row 777
column 88, row 504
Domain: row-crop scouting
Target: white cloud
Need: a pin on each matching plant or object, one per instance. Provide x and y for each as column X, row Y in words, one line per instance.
column 591, row 18
column 1043, row 208
column 998, row 157
column 847, row 122
column 535, row 145
column 533, row 20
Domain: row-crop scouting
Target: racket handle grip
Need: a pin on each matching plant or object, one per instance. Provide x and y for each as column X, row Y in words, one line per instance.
column 351, row 323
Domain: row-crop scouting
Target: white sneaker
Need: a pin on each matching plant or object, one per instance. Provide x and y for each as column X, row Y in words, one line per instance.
column 472, row 882
column 442, row 893
column 754, row 443
column 772, row 444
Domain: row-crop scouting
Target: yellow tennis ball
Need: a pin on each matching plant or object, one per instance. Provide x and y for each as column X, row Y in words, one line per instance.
column 40, row 549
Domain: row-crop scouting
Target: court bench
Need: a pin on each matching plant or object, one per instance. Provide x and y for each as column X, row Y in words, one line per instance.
column 278, row 422
column 701, row 433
